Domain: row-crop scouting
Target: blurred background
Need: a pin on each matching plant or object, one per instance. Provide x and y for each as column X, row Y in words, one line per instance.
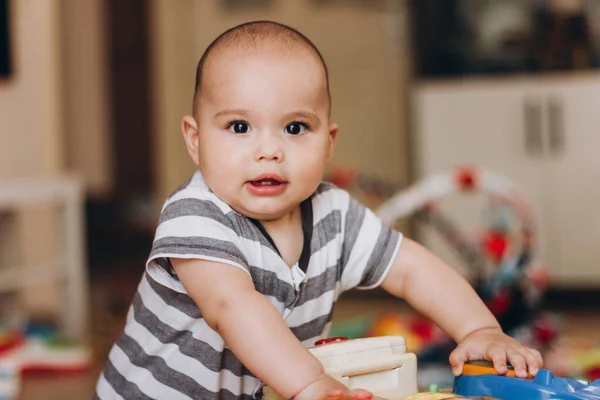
column 92, row 93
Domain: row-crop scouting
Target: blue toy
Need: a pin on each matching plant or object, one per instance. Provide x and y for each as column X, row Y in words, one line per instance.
column 545, row 386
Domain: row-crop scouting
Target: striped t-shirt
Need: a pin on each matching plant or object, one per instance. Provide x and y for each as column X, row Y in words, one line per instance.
column 167, row 351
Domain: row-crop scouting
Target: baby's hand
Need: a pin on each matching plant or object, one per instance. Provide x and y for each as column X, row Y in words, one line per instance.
column 354, row 394
column 334, row 391
column 493, row 345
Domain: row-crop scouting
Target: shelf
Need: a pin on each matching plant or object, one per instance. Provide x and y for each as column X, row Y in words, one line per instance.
column 18, row 193
column 69, row 271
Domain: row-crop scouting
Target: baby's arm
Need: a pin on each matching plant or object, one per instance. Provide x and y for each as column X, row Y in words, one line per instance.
column 253, row 329
column 439, row 292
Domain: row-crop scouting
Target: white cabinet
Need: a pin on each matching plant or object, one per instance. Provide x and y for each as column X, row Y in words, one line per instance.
column 542, row 133
column 572, row 177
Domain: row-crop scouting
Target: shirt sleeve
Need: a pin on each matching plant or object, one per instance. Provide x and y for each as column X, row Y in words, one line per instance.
column 193, row 228
column 368, row 250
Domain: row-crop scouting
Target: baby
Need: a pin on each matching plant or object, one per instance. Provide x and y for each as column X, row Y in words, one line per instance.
column 251, row 254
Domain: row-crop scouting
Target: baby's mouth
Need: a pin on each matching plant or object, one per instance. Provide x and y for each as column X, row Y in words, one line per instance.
column 266, row 182
column 267, row 185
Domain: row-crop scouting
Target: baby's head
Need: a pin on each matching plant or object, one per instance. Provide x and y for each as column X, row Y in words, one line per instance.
column 260, row 131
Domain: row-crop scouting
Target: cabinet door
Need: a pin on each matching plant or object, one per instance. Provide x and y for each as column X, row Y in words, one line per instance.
column 491, row 124
column 573, row 175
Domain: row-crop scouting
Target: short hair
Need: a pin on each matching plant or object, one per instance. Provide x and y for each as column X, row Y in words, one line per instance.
column 250, row 34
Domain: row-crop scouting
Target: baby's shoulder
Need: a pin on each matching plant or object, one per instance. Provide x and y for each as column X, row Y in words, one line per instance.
column 195, row 196
column 329, row 196
column 194, row 210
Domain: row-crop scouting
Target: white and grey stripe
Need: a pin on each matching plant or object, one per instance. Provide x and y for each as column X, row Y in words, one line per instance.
column 168, row 351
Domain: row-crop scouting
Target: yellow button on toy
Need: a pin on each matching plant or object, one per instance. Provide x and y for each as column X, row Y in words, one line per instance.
column 473, row 368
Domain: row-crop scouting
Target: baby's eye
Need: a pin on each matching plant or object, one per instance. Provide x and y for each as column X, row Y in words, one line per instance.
column 296, row 128
column 238, row 127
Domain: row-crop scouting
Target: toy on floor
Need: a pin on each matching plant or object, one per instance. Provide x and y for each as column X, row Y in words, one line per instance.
column 416, row 331
column 419, row 332
column 9, row 382
column 380, row 365
column 574, row 358
column 10, row 339
column 37, row 349
column 480, row 379
column 50, row 356
column 45, row 350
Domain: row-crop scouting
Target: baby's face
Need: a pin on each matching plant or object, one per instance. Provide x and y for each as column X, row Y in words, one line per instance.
column 264, row 131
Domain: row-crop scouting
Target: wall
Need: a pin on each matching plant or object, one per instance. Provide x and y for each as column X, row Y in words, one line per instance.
column 88, row 146
column 53, row 111
column 31, row 131
column 364, row 47
column 31, row 126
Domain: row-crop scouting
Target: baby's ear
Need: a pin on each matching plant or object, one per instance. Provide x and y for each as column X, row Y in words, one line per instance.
column 189, row 129
column 333, row 131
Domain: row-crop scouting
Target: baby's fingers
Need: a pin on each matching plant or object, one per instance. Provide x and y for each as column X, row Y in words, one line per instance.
column 360, row 394
column 458, row 358
column 518, row 361
column 497, row 354
column 534, row 361
column 335, row 392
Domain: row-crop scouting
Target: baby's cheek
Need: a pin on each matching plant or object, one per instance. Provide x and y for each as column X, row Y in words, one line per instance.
column 311, row 173
column 314, row 159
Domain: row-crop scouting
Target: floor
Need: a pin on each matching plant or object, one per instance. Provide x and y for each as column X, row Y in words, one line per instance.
column 112, row 292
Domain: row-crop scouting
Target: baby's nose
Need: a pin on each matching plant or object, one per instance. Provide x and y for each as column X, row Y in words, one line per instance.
column 269, row 148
